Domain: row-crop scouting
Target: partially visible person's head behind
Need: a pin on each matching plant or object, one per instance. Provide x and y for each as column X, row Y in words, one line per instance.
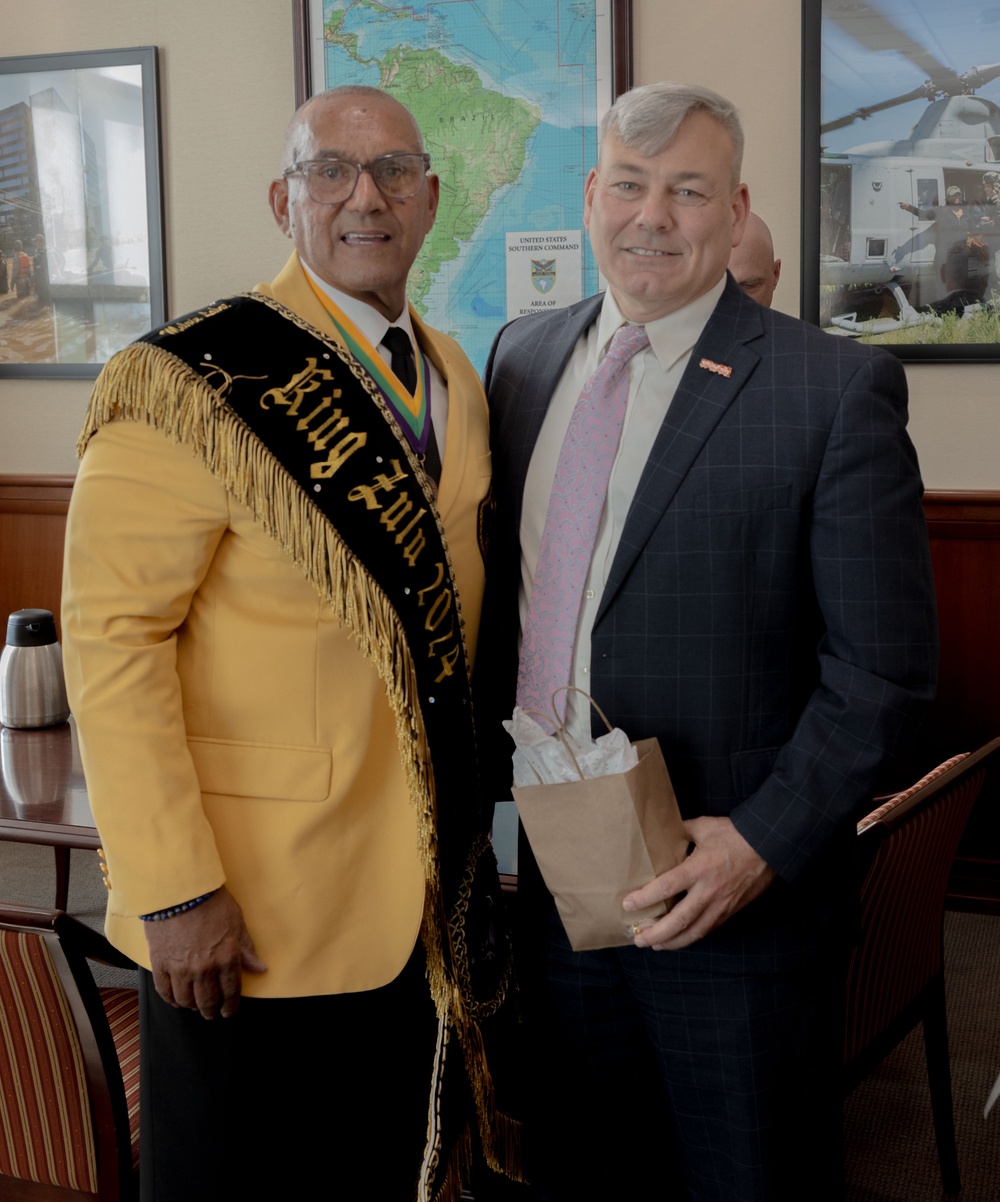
column 364, row 240
column 753, row 264
column 664, row 206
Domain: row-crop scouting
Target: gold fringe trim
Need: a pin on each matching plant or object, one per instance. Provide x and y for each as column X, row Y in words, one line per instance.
column 145, row 383
column 499, row 1133
column 458, row 1172
column 479, row 1009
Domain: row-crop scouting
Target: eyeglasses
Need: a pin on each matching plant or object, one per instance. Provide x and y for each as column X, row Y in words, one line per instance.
column 332, row 181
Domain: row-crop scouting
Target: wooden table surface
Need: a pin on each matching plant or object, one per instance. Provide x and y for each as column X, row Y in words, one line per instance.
column 43, row 796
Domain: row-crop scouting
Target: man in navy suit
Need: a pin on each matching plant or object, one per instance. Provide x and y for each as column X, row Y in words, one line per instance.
column 759, row 599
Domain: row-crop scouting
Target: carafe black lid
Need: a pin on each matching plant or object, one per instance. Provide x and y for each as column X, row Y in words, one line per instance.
column 31, row 628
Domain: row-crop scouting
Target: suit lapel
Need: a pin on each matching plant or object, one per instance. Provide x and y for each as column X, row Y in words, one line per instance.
column 547, row 358
column 703, row 396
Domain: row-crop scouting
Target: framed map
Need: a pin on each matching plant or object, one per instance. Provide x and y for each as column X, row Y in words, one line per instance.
column 508, row 97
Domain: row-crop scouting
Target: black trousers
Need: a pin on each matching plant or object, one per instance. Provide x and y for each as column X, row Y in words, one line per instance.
column 290, row 1098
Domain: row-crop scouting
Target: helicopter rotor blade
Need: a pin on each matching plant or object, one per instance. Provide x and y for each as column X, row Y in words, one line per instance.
column 876, row 32
column 979, row 77
column 924, row 92
column 968, row 82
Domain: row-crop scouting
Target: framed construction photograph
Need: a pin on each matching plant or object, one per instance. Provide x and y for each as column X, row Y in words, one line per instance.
column 81, row 238
column 901, row 175
column 508, row 96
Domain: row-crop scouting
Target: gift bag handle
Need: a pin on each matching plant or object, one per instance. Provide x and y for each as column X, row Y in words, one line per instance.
column 560, row 734
column 564, row 688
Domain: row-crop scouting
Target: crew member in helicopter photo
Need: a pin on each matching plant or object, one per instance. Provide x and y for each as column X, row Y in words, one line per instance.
column 955, row 222
column 954, row 199
column 991, row 188
column 965, row 275
column 990, row 228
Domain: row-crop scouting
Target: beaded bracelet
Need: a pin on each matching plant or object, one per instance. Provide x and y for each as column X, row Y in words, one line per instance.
column 174, row 910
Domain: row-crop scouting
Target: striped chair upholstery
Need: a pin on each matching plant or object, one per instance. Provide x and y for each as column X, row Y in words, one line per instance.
column 896, row 970
column 122, row 1008
column 69, row 1064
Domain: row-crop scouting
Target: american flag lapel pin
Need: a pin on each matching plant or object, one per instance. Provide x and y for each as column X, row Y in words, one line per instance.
column 720, row 369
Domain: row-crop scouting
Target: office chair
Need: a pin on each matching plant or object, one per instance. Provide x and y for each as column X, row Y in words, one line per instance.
column 896, row 970
column 69, row 1064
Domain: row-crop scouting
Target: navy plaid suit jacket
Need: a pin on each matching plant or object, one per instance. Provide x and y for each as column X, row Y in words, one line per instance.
column 770, row 612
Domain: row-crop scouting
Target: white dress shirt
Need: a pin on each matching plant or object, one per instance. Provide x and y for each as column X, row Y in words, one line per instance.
column 373, row 325
column 653, row 378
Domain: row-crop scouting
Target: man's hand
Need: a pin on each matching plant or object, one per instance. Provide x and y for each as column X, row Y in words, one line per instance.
column 720, row 876
column 198, row 957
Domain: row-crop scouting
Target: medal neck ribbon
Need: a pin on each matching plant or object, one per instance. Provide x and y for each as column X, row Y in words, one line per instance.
column 413, row 413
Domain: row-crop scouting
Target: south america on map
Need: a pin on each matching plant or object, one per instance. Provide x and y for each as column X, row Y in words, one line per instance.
column 506, row 95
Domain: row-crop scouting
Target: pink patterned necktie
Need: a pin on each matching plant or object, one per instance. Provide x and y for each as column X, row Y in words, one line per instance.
column 571, row 523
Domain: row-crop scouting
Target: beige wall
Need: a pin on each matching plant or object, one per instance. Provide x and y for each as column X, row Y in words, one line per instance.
column 227, row 90
column 226, row 93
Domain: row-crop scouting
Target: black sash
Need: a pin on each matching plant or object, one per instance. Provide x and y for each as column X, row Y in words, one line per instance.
column 316, row 411
column 283, row 403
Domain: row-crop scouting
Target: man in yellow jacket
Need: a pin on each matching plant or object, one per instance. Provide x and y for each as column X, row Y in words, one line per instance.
column 272, row 590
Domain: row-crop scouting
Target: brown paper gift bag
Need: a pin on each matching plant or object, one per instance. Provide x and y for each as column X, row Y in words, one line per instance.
column 596, row 840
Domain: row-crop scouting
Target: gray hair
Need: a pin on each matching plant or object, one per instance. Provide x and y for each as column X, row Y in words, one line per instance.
column 647, row 119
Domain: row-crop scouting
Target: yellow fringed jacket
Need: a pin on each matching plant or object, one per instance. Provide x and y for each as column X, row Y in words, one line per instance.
column 231, row 730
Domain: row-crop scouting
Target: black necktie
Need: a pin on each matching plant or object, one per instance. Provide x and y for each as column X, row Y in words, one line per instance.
column 400, row 348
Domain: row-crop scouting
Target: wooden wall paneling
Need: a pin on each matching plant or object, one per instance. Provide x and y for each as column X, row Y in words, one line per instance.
column 964, row 530
column 32, row 531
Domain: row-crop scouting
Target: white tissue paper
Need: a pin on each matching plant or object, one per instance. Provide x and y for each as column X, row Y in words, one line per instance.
column 548, row 759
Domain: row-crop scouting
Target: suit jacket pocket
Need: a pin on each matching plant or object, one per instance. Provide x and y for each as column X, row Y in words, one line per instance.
column 262, row 769
column 751, row 768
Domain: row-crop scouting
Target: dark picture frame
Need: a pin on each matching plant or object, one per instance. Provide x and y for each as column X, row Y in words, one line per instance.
column 896, row 117
column 81, row 200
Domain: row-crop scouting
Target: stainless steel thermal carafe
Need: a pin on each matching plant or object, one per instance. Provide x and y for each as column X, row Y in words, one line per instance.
column 32, row 689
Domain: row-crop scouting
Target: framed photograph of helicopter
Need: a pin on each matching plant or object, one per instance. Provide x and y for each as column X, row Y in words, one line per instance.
column 901, row 174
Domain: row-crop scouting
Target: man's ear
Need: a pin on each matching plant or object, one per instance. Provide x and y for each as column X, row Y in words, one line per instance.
column 588, row 196
column 278, row 196
column 433, row 197
column 741, row 211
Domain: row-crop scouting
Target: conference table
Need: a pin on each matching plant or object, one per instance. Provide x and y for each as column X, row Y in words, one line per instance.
column 43, row 797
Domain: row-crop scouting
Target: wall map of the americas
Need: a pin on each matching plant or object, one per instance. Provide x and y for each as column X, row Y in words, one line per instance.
column 507, row 97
